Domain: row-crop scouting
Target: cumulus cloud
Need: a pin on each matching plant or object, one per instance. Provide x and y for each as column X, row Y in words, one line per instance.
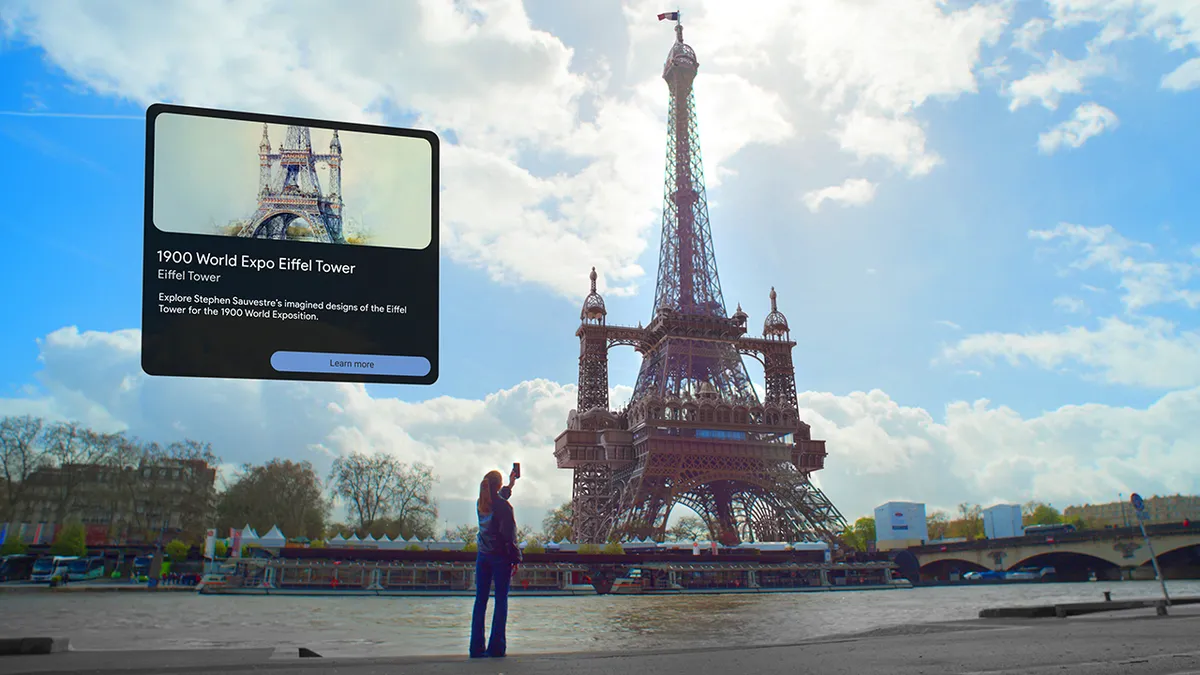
column 1141, row 350
column 1145, row 283
column 852, row 192
column 1059, row 76
column 1088, row 120
column 879, row 449
column 1183, row 78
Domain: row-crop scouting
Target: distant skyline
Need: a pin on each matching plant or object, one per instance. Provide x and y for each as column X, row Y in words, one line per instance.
column 980, row 219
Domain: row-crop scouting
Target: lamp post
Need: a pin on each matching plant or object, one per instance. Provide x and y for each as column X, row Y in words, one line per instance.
column 1124, row 514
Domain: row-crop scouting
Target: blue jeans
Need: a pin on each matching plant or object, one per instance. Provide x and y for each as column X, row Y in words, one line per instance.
column 489, row 570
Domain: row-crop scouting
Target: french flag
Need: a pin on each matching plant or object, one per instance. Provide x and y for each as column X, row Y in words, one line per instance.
column 672, row 16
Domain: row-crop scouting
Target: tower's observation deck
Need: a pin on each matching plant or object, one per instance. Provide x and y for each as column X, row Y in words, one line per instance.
column 694, row 431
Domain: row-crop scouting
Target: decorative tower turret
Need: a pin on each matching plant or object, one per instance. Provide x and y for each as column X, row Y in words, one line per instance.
column 264, row 163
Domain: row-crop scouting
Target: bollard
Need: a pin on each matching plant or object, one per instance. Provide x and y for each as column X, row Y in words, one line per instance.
column 1108, row 596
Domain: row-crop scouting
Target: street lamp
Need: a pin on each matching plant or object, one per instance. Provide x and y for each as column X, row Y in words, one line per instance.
column 1124, row 515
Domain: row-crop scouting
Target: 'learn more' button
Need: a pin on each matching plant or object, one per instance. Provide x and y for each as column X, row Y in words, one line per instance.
column 350, row 364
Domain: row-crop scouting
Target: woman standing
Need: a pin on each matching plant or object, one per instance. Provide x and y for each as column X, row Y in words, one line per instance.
column 496, row 562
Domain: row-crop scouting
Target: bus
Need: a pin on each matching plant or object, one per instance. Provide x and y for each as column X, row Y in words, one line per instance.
column 47, row 568
column 1057, row 528
column 83, row 569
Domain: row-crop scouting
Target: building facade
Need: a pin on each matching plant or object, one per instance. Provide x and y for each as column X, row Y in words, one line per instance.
column 1172, row 509
column 131, row 504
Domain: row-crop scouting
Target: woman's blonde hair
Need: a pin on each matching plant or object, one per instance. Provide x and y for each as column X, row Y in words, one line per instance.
column 489, row 486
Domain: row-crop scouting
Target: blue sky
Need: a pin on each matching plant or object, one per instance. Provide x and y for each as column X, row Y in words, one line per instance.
column 929, row 291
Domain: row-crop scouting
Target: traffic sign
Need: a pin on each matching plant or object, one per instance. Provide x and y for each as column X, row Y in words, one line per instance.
column 1137, row 502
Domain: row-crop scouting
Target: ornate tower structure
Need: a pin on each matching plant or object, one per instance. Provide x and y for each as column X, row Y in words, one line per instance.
column 694, row 432
column 289, row 191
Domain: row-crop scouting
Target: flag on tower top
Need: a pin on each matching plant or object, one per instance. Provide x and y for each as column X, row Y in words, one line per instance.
column 673, row 16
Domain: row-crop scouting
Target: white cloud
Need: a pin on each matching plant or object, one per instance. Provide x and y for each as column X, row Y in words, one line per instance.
column 1088, row 120
column 900, row 140
column 948, row 324
column 1153, row 353
column 1057, row 77
column 1146, row 282
column 1073, row 454
column 1070, row 304
column 852, row 192
column 1027, row 36
column 1183, row 78
column 1142, row 351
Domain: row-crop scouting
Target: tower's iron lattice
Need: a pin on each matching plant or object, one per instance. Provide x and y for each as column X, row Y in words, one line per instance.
column 291, row 204
column 694, row 432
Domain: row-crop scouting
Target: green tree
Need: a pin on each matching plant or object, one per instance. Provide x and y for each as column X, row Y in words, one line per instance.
column 688, row 528
column 70, row 540
column 220, row 549
column 1037, row 513
column 970, row 523
column 534, row 546
column 13, row 546
column 861, row 535
column 557, row 525
column 177, row 550
column 613, row 548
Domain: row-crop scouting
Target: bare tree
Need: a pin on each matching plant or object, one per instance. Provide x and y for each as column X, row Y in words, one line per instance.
column 74, row 449
column 21, row 453
column 380, row 487
column 280, row 492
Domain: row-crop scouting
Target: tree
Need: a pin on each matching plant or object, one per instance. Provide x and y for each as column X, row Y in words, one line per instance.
column 279, row 493
column 72, row 448
column 70, row 540
column 970, row 524
column 220, row 550
column 380, row 487
column 1037, row 513
column 177, row 550
column 688, row 528
column 557, row 525
column 467, row 533
column 168, row 487
column 938, row 524
column 861, row 535
column 21, row 453
column 13, row 546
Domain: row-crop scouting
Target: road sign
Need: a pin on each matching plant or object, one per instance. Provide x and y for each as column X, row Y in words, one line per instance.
column 1137, row 502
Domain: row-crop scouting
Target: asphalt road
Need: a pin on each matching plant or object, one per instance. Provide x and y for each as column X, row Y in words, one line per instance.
column 1127, row 643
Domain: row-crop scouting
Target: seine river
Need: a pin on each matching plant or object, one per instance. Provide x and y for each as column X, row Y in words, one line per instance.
column 375, row 626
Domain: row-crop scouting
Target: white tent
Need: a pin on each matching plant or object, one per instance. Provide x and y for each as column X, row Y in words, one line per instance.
column 339, row 539
column 249, row 536
column 273, row 539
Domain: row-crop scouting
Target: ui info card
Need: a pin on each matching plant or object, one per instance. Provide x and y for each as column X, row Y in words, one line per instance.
column 289, row 249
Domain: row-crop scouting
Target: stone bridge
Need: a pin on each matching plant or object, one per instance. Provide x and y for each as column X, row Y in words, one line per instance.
column 1110, row 553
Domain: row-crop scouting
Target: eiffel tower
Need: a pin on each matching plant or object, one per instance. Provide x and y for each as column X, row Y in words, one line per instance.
column 694, row 432
column 291, row 204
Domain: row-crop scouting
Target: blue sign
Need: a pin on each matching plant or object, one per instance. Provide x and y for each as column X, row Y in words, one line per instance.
column 1137, row 502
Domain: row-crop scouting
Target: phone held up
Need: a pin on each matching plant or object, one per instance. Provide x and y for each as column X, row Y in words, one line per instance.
column 516, row 472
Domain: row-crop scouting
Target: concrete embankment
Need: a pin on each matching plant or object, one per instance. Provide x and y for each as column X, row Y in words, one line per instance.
column 1101, row 645
column 1062, row 610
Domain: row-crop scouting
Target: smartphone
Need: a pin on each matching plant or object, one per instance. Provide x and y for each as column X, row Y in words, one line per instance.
column 516, row 469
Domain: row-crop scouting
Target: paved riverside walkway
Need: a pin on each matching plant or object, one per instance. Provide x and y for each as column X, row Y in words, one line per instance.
column 1123, row 643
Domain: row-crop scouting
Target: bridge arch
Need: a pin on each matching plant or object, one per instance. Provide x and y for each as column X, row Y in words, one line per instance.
column 277, row 224
column 944, row 568
column 1071, row 565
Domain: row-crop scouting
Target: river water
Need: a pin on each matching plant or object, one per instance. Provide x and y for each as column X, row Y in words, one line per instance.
column 378, row 626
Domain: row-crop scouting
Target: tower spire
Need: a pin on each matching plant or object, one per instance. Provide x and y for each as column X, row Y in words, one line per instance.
column 687, row 269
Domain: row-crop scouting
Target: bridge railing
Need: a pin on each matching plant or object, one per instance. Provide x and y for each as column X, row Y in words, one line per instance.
column 1079, row 537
